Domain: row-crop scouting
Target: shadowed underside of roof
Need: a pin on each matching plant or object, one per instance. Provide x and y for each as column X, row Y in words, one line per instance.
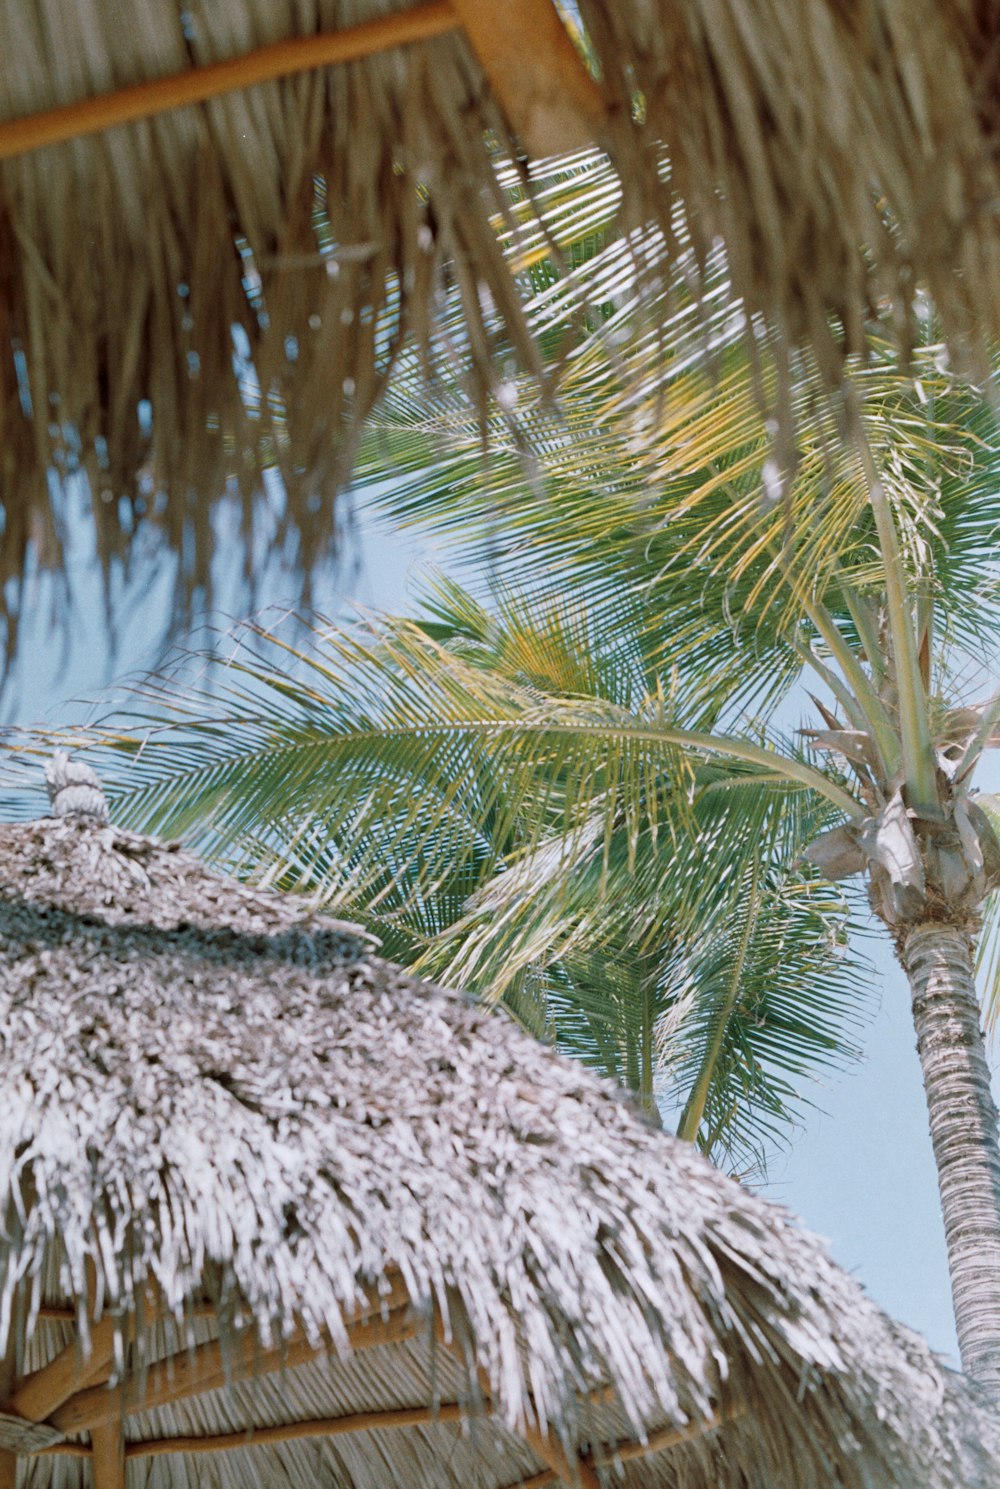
column 285, row 1189
column 846, row 154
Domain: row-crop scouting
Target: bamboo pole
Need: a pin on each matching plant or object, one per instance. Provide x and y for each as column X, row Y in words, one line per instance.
column 365, row 1421
column 65, row 1313
column 8, row 1460
column 673, row 1437
column 278, row 59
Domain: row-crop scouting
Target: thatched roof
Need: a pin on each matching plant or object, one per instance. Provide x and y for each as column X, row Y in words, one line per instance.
column 221, row 1116
column 847, row 154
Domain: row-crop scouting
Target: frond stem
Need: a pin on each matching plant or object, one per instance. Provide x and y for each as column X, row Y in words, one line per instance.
column 837, row 687
column 771, row 761
column 918, row 761
column 876, row 715
column 867, row 633
column 874, row 712
column 988, row 721
column 694, row 1108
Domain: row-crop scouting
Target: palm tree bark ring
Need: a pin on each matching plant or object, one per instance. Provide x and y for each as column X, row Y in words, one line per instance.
column 938, row 960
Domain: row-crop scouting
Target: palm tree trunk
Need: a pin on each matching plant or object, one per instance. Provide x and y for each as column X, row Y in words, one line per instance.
column 938, row 960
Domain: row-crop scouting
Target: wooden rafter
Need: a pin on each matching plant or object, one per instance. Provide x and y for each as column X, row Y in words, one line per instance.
column 196, row 84
column 66, row 1313
column 210, row 1366
column 536, row 73
column 538, row 76
column 364, row 1421
column 377, row 1421
column 110, row 1454
column 38, row 1395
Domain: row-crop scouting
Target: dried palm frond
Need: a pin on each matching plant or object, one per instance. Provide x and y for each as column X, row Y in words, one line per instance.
column 191, row 299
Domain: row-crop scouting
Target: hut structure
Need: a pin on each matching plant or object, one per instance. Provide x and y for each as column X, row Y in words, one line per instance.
column 276, row 1213
column 318, row 178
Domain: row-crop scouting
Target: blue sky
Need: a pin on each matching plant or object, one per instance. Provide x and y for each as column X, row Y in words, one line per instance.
column 861, row 1173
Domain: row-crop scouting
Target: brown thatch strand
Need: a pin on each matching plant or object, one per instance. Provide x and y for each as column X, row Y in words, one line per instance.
column 128, row 257
column 846, row 153
column 207, row 1093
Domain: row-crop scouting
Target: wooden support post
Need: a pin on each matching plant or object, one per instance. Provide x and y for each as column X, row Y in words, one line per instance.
column 549, row 98
column 108, row 1456
column 278, row 59
column 8, row 1461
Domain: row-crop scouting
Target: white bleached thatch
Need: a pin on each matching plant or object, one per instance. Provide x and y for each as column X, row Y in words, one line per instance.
column 221, row 1116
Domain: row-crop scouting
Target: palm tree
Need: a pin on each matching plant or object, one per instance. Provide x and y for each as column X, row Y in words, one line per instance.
column 871, row 566
column 502, row 802
column 863, row 559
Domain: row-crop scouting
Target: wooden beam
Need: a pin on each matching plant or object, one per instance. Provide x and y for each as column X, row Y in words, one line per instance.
column 278, row 59
column 539, row 78
column 108, row 1456
column 377, row 1421
column 258, row 1437
column 38, row 1395
column 65, row 1313
column 657, row 1442
column 210, row 1366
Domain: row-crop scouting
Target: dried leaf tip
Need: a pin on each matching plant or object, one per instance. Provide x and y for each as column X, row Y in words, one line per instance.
column 74, row 787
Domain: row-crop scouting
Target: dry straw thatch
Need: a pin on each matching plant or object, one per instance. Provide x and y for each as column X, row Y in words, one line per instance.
column 435, row 1253
column 847, row 154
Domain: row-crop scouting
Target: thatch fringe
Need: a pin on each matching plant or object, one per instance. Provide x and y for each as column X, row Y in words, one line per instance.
column 223, row 289
column 847, row 155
